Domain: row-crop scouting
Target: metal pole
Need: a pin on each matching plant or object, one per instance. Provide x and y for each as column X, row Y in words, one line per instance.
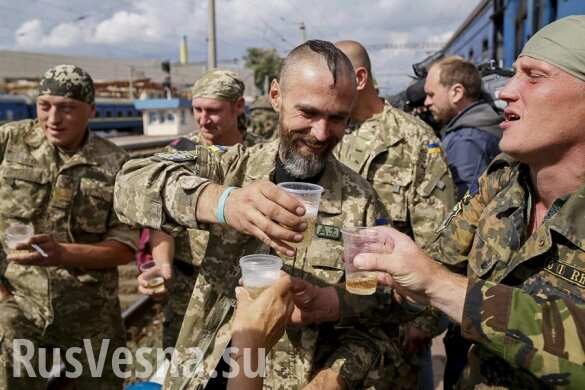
column 211, row 48
column 131, row 83
column 303, row 32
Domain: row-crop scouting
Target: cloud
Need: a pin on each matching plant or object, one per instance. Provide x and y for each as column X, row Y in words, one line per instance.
column 153, row 28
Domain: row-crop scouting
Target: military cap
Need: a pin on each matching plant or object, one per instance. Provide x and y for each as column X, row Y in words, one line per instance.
column 68, row 81
column 219, row 84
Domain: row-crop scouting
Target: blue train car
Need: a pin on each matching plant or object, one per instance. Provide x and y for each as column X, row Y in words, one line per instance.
column 112, row 115
column 498, row 29
column 14, row 108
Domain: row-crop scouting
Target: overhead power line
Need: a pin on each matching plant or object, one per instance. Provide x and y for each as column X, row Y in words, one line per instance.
column 407, row 46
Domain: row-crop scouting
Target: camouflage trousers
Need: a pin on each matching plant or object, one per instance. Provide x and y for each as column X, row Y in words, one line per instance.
column 180, row 290
column 50, row 341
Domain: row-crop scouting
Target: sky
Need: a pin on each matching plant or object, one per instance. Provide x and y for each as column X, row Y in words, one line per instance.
column 152, row 29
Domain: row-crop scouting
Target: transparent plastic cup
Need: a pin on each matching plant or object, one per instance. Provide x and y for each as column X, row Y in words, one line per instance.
column 259, row 272
column 310, row 195
column 358, row 240
column 152, row 274
column 17, row 233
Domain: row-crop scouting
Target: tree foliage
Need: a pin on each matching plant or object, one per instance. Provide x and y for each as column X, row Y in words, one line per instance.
column 265, row 63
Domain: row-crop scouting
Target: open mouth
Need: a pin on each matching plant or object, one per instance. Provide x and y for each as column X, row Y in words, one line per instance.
column 510, row 116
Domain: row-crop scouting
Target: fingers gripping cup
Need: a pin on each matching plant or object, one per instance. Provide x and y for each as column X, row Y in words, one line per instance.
column 358, row 240
column 152, row 274
column 17, row 233
column 310, row 195
column 259, row 272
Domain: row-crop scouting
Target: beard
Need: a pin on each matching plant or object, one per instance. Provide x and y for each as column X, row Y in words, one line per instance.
column 297, row 164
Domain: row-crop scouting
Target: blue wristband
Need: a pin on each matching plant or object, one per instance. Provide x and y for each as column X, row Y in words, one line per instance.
column 221, row 204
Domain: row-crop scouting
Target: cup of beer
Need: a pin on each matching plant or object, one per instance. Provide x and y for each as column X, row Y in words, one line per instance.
column 310, row 195
column 17, row 233
column 153, row 276
column 259, row 271
column 358, row 240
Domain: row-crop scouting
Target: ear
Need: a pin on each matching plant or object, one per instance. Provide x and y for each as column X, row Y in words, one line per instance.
column 275, row 95
column 361, row 78
column 240, row 105
column 92, row 112
column 456, row 93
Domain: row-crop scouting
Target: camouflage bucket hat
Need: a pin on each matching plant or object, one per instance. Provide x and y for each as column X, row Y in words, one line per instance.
column 219, row 84
column 68, row 81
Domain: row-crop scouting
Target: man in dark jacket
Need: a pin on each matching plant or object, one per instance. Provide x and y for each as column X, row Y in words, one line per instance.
column 470, row 132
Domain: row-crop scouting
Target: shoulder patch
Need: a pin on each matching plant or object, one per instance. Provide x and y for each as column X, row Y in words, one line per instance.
column 434, row 148
column 179, row 155
column 217, row 149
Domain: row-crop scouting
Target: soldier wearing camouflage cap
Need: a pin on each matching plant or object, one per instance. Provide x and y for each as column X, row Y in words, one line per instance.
column 517, row 245
column 218, row 107
column 263, row 119
column 57, row 177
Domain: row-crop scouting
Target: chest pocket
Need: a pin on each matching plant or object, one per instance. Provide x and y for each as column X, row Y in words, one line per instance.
column 392, row 185
column 325, row 259
column 93, row 205
column 24, row 191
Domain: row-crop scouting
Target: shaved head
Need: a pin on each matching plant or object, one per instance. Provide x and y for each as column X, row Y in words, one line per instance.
column 356, row 53
column 315, row 51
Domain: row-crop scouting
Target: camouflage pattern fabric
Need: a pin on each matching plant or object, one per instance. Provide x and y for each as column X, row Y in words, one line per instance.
column 70, row 197
column 525, row 306
column 219, row 84
column 68, row 81
column 263, row 119
column 402, row 159
column 190, row 247
column 174, row 183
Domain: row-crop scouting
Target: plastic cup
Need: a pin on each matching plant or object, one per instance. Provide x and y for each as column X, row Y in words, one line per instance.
column 17, row 233
column 152, row 274
column 259, row 272
column 310, row 195
column 358, row 240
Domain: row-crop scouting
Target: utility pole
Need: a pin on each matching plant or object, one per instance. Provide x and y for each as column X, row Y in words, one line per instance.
column 131, row 83
column 303, row 32
column 211, row 48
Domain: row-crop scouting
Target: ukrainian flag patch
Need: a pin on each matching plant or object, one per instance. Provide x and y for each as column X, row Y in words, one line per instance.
column 434, row 148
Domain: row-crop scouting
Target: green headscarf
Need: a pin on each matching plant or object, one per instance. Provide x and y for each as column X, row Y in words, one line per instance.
column 561, row 44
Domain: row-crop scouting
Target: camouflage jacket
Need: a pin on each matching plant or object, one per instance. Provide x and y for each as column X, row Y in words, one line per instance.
column 161, row 192
column 525, row 306
column 190, row 245
column 70, row 197
column 402, row 158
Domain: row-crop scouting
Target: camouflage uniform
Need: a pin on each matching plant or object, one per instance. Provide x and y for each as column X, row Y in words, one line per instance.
column 162, row 192
column 401, row 157
column 69, row 196
column 263, row 119
column 525, row 304
column 190, row 248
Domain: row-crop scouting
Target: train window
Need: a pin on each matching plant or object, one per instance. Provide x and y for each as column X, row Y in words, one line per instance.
column 129, row 113
column 97, row 114
column 120, row 114
column 9, row 115
column 470, row 55
column 170, row 117
column 108, row 114
column 151, row 116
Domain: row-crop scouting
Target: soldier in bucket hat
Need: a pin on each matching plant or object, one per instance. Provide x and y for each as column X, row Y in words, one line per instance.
column 57, row 177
